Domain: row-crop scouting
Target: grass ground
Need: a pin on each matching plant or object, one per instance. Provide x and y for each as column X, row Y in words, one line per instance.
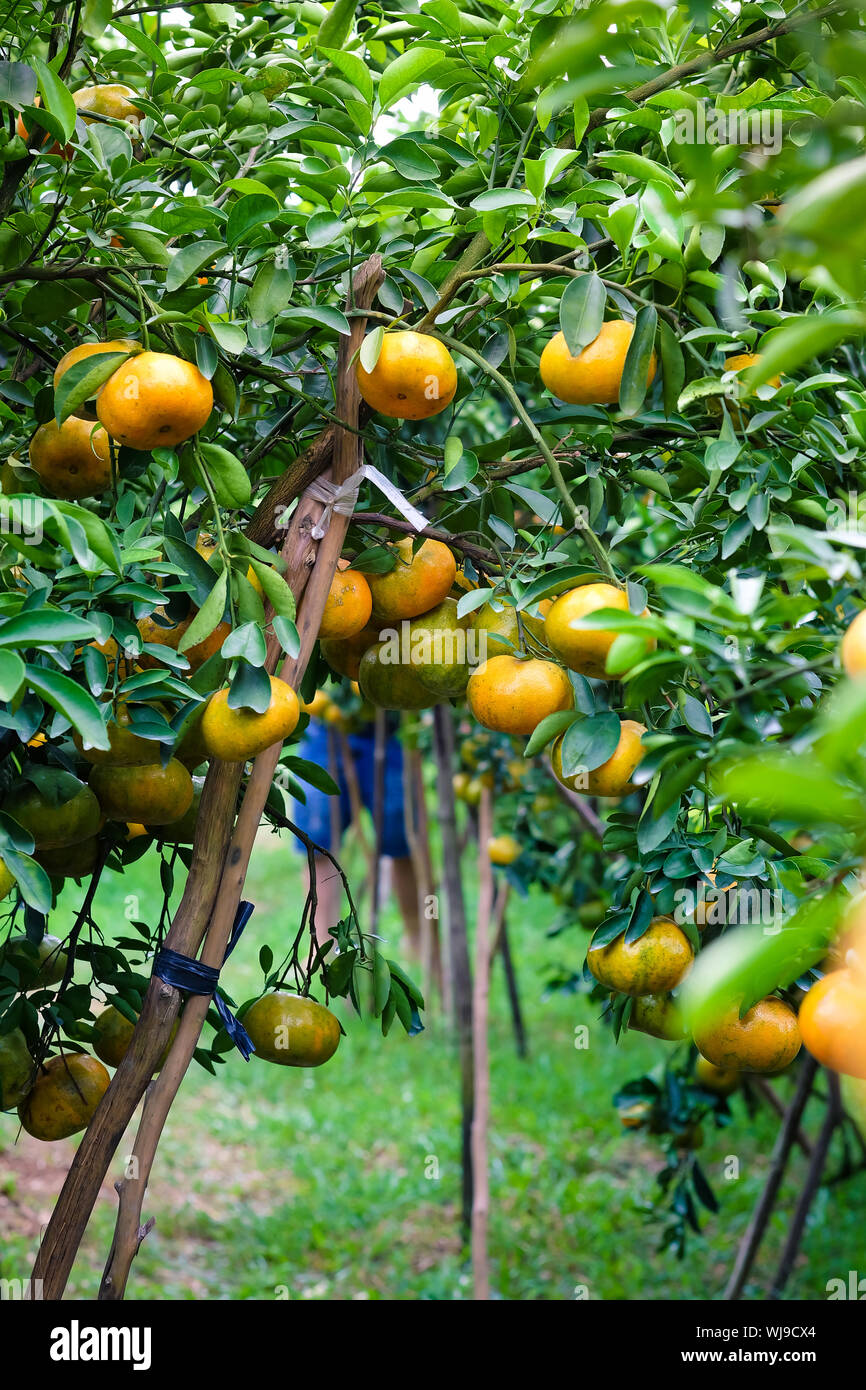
column 342, row 1183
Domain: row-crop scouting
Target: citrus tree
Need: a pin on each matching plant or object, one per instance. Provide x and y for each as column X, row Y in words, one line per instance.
column 582, row 284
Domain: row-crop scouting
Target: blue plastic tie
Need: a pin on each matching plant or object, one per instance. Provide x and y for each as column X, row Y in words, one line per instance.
column 192, row 976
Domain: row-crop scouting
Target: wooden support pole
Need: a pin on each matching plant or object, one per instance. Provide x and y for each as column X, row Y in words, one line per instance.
column 458, row 945
column 815, row 1172
column 481, row 1059
column 750, row 1244
column 161, row 1004
column 311, row 568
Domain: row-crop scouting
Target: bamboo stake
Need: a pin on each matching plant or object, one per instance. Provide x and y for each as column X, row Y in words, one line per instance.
column 832, row 1120
column 481, row 1059
column 380, row 736
column 311, row 575
column 161, row 1004
column 751, row 1241
column 461, row 973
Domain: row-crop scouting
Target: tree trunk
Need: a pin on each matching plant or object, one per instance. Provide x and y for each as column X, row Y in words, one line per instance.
column 461, row 974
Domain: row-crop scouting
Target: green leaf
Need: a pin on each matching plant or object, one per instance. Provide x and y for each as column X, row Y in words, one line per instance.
column 230, row 480
column 352, row 67
column 336, row 27
column 589, row 742
column 324, row 229
column 246, row 641
column 147, row 244
column 324, row 314
column 45, row 626
column 633, row 387
column 11, row 675
column 369, row 356
column 381, row 983
column 496, row 198
column 695, row 714
column 82, row 380
column 277, row 591
column 18, row 84
column 749, row 962
column 799, row 339
column 249, row 212
column 581, row 312
column 73, row 702
column 33, row 882
column 56, row 96
column 191, row 260
column 673, row 367
column 207, row 617
column 420, row 63
column 312, row 773
column 271, row 292
column 410, row 160
column 550, row 728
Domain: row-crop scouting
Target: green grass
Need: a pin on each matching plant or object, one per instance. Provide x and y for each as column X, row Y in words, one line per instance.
column 343, row 1183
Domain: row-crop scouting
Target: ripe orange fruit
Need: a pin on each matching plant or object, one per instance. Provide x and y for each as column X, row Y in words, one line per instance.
column 89, row 350
column 127, row 748
column 391, row 684
column 159, row 635
column 73, row 460
column 347, row 607
column 654, row 964
column 154, row 399
column 197, row 655
column 344, row 655
column 237, row 734
column 659, row 1016
column 107, row 99
column 580, row 649
column 592, row 377
column 513, row 696
column 741, row 361
column 54, row 826
column 832, row 1022
column 503, row 849
column 739, row 413
column 112, row 1034
column 64, row 1096
column 765, row 1039
column 716, row 1078
column 291, row 1030
column 613, row 778
column 112, row 653
column 415, row 377
column 65, row 151
column 318, row 706
column 854, row 646
column 148, row 793
column 416, row 583
column 501, row 631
